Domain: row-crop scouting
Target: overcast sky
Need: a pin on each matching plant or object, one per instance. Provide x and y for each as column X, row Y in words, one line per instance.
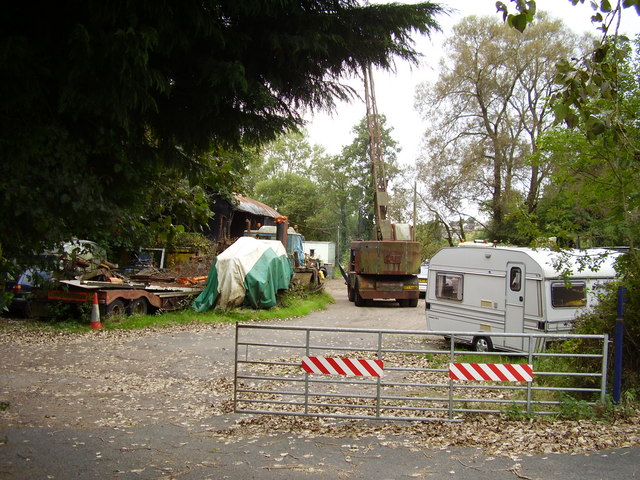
column 395, row 92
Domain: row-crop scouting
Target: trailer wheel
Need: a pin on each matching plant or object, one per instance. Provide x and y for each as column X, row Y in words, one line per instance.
column 139, row 306
column 482, row 344
column 115, row 308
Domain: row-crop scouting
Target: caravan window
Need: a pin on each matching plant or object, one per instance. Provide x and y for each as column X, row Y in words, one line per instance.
column 449, row 286
column 515, row 279
column 570, row 295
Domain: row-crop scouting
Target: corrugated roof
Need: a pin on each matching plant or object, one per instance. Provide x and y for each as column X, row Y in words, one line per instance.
column 255, row 207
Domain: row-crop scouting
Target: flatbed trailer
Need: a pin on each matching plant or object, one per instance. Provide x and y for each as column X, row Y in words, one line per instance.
column 124, row 298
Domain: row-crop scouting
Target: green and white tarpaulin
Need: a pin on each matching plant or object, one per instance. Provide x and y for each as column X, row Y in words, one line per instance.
column 250, row 271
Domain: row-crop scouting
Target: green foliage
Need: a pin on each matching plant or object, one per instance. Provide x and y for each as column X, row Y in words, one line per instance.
column 488, row 109
column 289, row 153
column 431, row 238
column 104, row 103
column 69, row 316
column 328, row 197
column 514, row 412
column 291, row 194
column 284, row 182
column 336, row 206
column 519, row 21
column 575, row 409
column 605, row 14
column 595, row 193
column 601, row 319
column 589, row 87
column 572, row 409
column 304, row 301
column 293, row 303
column 194, row 240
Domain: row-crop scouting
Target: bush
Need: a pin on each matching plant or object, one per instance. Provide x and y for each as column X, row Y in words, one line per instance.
column 602, row 319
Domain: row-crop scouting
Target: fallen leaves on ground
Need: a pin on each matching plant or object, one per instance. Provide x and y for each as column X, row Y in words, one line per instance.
column 120, row 379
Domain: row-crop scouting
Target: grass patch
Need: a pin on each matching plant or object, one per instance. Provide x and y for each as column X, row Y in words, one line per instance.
column 292, row 304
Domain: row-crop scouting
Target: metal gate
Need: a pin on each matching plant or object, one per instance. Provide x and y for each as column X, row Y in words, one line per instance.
column 407, row 374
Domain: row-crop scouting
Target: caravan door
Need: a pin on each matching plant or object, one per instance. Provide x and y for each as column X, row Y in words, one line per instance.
column 514, row 308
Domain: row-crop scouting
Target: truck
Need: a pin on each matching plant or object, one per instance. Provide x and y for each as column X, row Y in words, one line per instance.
column 384, row 268
column 485, row 289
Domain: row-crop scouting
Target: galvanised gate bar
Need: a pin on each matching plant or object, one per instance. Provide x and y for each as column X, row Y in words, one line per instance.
column 417, row 374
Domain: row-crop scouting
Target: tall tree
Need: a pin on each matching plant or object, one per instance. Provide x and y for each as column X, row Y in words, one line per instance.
column 291, row 194
column 335, row 208
column 100, row 97
column 291, row 152
column 595, row 194
column 284, row 180
column 488, row 108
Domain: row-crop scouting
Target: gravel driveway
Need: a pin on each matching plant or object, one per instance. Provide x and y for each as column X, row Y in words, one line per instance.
column 158, row 404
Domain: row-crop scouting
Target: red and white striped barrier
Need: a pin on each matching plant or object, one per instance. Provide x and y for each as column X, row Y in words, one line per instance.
column 343, row 366
column 497, row 372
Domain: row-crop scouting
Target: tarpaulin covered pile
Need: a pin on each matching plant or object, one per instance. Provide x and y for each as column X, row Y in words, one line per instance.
column 250, row 271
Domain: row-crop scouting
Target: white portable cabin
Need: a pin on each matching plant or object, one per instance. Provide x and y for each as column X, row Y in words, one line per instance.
column 323, row 251
column 488, row 289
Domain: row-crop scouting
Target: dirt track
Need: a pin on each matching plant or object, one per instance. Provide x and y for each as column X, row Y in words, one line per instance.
column 119, row 378
column 158, row 404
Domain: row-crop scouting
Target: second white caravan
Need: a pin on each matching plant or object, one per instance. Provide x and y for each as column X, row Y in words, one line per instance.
column 512, row 290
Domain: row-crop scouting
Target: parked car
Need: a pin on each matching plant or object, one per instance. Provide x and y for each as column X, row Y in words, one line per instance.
column 20, row 288
column 422, row 279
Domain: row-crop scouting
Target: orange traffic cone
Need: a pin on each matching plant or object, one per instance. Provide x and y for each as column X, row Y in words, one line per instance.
column 95, row 314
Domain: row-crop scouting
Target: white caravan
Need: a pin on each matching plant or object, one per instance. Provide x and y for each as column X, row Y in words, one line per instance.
column 488, row 289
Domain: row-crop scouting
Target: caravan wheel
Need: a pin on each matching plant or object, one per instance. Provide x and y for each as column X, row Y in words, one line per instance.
column 482, row 344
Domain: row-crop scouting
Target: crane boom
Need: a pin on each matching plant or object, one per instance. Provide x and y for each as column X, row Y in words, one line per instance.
column 386, row 267
column 384, row 229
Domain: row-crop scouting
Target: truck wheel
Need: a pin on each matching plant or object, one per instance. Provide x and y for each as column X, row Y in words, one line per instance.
column 358, row 300
column 115, row 308
column 482, row 344
column 138, row 306
column 413, row 302
column 351, row 294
